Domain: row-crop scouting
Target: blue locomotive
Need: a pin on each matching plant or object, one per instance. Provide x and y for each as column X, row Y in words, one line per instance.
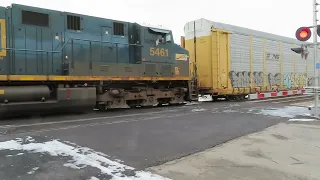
column 62, row 61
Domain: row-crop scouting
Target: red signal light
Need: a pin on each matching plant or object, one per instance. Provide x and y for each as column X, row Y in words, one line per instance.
column 303, row 34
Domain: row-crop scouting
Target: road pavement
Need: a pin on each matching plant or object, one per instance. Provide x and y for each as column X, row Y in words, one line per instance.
column 124, row 143
column 285, row 151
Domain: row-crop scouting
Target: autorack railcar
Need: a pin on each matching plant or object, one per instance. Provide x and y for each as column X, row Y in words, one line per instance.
column 233, row 62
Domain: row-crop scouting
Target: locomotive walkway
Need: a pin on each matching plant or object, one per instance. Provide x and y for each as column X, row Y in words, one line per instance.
column 130, row 143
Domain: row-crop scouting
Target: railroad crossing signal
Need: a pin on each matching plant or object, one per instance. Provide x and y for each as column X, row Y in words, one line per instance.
column 303, row 50
column 303, row 34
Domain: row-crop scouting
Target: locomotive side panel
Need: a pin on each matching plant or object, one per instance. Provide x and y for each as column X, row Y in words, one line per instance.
column 34, row 37
column 161, row 57
column 51, row 45
column 3, row 42
column 74, row 62
column 96, row 44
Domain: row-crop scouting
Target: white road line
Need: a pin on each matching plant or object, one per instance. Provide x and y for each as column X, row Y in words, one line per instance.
column 81, row 120
column 96, row 124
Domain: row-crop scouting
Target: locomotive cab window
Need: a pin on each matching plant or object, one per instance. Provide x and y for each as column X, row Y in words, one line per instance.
column 163, row 35
column 35, row 18
column 168, row 37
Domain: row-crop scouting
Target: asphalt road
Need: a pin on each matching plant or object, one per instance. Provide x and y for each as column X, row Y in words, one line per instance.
column 140, row 138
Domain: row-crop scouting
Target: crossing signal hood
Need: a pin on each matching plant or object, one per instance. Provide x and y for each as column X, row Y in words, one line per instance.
column 303, row 50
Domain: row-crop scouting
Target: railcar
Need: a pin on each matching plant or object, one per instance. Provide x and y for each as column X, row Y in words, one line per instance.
column 52, row 60
column 232, row 62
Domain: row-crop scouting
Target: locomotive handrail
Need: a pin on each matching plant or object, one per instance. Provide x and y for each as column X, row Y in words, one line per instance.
column 63, row 46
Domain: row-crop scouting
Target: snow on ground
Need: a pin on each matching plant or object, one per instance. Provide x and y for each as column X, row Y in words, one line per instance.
column 304, row 104
column 198, row 110
column 191, row 103
column 33, row 170
column 93, row 178
column 287, row 111
column 81, row 158
column 230, row 111
column 205, row 98
column 303, row 120
column 234, row 105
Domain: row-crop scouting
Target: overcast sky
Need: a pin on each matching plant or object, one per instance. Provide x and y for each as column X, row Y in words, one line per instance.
column 280, row 17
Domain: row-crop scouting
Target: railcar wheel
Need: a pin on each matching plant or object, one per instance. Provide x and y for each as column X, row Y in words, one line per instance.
column 214, row 99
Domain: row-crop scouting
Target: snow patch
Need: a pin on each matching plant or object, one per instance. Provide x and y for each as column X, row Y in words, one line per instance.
column 288, row 111
column 304, row 104
column 93, row 178
column 198, row 110
column 205, row 98
column 234, row 105
column 302, row 120
column 19, row 139
column 30, row 139
column 70, row 165
column 33, row 170
column 81, row 158
column 230, row 111
column 191, row 103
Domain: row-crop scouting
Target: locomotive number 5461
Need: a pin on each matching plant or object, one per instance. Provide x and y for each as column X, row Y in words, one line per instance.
column 159, row 52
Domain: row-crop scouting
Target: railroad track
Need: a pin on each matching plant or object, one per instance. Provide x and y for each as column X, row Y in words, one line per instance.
column 276, row 100
column 287, row 99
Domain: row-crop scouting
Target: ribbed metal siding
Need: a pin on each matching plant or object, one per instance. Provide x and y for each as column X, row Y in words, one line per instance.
column 293, row 71
column 257, row 53
column 273, row 64
column 288, row 58
column 289, row 77
column 239, row 53
column 300, row 64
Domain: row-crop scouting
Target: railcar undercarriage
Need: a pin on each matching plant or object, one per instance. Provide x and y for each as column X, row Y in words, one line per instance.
column 37, row 98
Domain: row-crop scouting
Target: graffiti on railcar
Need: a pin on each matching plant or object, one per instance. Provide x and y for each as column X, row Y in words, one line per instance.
column 289, row 80
column 310, row 81
column 272, row 56
column 292, row 79
column 258, row 78
column 240, row 79
column 274, row 79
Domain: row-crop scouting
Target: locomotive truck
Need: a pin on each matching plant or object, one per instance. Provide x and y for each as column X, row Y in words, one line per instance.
column 52, row 60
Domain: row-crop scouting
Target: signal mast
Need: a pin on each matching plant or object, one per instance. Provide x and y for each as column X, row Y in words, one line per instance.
column 303, row 34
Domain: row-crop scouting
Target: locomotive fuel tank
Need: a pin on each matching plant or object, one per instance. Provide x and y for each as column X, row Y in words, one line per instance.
column 26, row 100
column 23, row 93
